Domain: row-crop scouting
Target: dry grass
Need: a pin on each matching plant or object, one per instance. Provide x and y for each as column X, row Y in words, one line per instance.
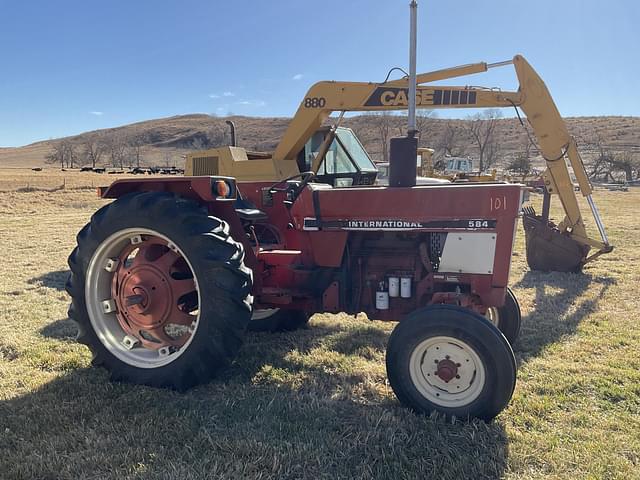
column 314, row 404
column 52, row 179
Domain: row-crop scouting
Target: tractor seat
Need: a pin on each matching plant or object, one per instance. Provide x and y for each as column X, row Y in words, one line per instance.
column 248, row 212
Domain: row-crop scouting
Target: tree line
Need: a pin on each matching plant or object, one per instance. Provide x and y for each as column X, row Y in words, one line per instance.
column 477, row 137
column 120, row 151
column 98, row 149
column 610, row 163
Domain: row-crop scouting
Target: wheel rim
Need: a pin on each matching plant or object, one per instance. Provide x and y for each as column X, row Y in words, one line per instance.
column 447, row 371
column 493, row 315
column 142, row 297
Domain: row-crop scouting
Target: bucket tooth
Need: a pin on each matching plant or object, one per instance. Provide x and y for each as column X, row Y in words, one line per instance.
column 549, row 249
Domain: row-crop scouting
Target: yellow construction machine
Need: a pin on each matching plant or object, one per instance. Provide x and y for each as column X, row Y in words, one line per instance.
column 455, row 169
column 306, row 146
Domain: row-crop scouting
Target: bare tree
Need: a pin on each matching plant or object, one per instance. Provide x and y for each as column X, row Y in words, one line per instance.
column 627, row 163
column 424, row 121
column 611, row 164
column 168, row 158
column 491, row 153
column 424, row 124
column 601, row 164
column 135, row 145
column 481, row 127
column 93, row 150
column 450, row 142
column 383, row 122
column 116, row 149
column 63, row 152
column 71, row 153
column 57, row 154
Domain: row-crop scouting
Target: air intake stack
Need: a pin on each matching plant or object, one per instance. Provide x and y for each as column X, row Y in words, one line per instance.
column 403, row 151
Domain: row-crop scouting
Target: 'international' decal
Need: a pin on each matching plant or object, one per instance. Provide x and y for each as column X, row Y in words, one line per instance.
column 390, row 96
column 399, row 224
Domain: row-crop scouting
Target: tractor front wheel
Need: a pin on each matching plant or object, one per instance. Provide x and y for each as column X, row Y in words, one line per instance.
column 159, row 290
column 448, row 359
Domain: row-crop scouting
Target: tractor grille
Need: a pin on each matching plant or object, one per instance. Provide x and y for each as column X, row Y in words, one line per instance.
column 436, row 245
column 202, row 166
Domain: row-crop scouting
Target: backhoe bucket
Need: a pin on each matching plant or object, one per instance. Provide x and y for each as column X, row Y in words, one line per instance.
column 548, row 249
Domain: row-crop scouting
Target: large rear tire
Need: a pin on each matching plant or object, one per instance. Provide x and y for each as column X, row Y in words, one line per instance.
column 448, row 359
column 159, row 290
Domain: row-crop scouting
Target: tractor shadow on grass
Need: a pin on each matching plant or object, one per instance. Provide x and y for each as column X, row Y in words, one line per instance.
column 55, row 280
column 305, row 404
column 558, row 307
column 64, row 329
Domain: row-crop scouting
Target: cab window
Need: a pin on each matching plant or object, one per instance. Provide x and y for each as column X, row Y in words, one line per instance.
column 336, row 161
column 355, row 149
column 345, row 155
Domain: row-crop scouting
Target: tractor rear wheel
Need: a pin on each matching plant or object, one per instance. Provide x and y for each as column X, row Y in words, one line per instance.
column 159, row 290
column 277, row 320
column 448, row 359
column 507, row 317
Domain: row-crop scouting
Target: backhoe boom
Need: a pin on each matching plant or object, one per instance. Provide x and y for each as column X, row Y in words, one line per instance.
column 554, row 141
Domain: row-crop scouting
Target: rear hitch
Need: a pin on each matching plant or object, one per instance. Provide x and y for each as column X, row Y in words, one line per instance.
column 549, row 249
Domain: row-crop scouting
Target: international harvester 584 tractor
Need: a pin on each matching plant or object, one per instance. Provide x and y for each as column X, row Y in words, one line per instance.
column 166, row 278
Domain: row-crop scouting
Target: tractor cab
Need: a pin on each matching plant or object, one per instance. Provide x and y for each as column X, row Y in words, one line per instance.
column 346, row 163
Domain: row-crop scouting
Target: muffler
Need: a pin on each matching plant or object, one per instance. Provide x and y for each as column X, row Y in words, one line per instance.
column 549, row 249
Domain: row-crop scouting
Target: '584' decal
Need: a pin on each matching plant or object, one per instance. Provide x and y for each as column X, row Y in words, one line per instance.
column 479, row 224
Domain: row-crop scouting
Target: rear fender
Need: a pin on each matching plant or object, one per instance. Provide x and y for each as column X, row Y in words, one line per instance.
column 200, row 189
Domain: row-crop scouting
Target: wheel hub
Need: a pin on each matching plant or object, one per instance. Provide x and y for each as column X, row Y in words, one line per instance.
column 144, row 296
column 447, row 370
column 150, row 287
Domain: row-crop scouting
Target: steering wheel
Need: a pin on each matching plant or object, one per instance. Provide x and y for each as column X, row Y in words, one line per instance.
column 305, row 177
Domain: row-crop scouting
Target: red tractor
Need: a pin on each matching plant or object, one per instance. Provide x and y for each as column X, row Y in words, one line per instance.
column 165, row 279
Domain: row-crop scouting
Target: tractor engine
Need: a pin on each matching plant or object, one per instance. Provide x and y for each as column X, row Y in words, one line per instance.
column 392, row 273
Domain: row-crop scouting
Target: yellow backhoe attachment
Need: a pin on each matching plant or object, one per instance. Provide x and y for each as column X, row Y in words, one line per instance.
column 562, row 247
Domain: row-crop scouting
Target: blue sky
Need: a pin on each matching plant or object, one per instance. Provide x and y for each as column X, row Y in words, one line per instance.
column 68, row 66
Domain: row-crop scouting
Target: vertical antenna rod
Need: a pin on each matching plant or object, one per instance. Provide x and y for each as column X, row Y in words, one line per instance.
column 411, row 128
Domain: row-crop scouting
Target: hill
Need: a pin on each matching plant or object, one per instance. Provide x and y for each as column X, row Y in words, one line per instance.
column 164, row 141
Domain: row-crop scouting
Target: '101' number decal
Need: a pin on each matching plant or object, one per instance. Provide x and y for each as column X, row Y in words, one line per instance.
column 498, row 203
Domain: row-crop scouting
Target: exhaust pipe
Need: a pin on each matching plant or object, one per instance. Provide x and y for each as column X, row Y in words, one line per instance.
column 403, row 151
column 232, row 128
column 413, row 32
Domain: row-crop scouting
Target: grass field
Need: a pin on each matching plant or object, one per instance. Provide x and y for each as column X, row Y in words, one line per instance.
column 315, row 404
column 51, row 178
